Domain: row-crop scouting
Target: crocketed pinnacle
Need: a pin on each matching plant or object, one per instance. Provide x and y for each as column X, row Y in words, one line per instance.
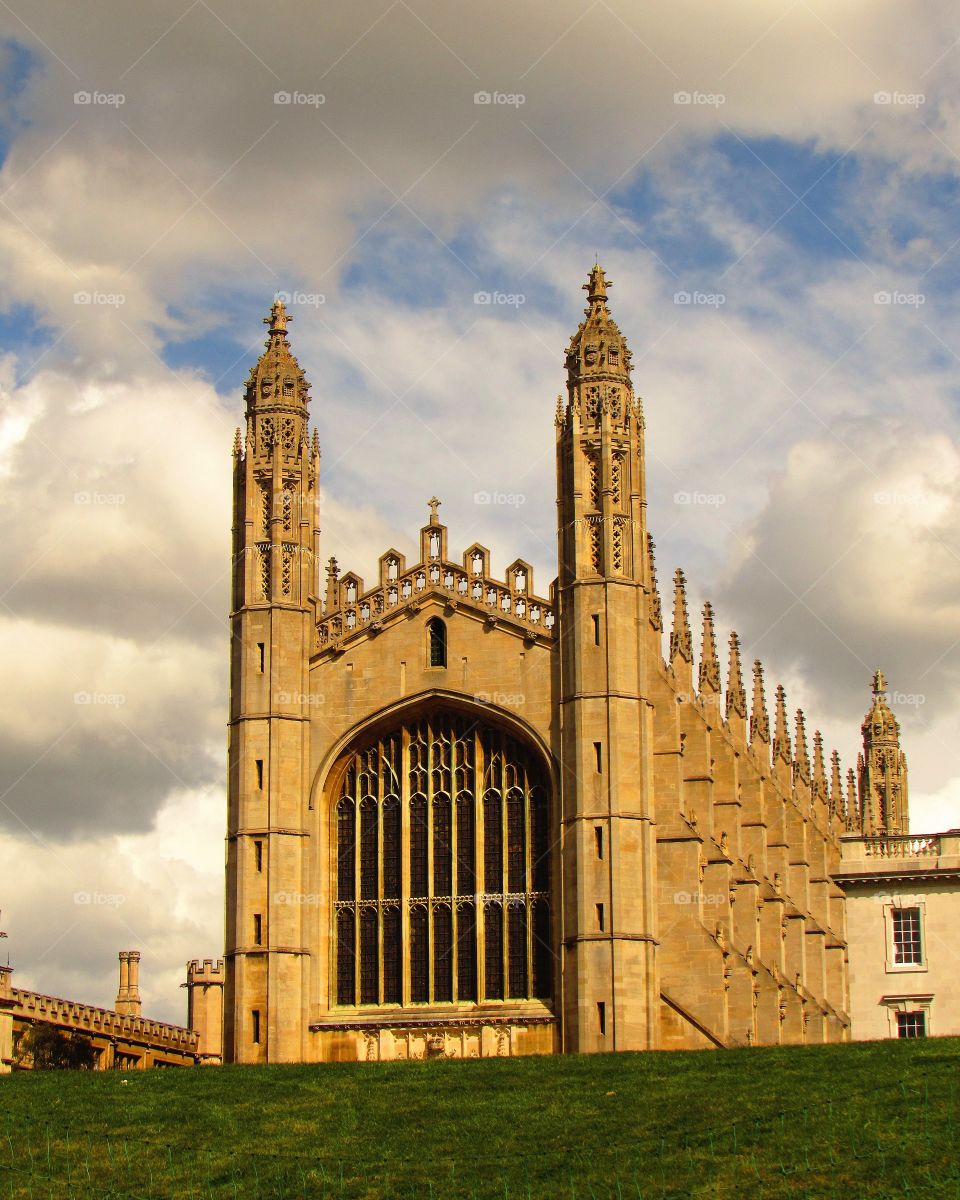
column 709, row 663
column 759, row 720
column 656, row 609
column 681, row 641
column 781, row 738
column 801, row 758
column 736, row 696
column 819, row 770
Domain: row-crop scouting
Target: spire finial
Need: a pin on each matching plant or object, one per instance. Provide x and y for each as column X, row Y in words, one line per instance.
column 736, row 696
column 709, row 663
column 853, row 815
column 433, row 504
column 237, row 444
column 819, row 769
column 597, row 284
column 759, row 720
column 837, row 805
column 681, row 643
column 278, row 319
column 879, row 683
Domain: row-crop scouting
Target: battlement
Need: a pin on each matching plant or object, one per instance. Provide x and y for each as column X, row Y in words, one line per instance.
column 205, row 972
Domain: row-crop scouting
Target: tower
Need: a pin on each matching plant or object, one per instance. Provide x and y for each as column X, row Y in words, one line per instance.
column 882, row 769
column 610, row 990
column 128, row 994
column 205, row 1008
column 275, row 546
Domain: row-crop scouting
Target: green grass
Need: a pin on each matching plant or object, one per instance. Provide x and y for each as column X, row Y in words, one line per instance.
column 868, row 1120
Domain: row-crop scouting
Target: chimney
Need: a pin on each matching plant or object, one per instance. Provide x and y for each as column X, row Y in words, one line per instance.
column 128, row 996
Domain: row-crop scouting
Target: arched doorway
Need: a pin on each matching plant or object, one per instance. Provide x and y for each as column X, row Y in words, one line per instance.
column 440, row 890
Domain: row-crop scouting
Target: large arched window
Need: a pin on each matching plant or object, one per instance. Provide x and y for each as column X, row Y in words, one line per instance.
column 442, row 868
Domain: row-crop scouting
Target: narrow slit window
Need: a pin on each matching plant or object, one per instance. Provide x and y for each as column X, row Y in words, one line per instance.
column 596, row 629
column 258, row 854
column 598, row 834
column 436, row 643
column 598, row 751
column 261, row 652
column 255, row 1022
column 600, row 917
column 602, row 1018
column 257, row 929
column 260, row 774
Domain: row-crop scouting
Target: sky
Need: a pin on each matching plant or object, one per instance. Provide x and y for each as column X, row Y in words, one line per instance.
column 772, row 187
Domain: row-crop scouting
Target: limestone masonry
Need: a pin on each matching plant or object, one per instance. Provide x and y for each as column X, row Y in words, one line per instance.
column 469, row 818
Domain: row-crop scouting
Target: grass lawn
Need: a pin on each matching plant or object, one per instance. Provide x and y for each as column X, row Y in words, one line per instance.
column 868, row 1120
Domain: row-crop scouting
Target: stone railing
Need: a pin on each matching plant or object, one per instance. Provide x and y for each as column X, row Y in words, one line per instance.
column 472, row 588
column 901, row 845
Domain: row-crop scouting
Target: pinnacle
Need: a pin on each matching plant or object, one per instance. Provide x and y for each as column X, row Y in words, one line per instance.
column 736, row 696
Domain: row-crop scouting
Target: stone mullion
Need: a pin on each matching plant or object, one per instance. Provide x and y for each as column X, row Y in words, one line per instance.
column 405, row 862
column 480, row 855
column 528, row 874
column 454, row 870
column 380, row 856
column 504, row 865
column 356, row 891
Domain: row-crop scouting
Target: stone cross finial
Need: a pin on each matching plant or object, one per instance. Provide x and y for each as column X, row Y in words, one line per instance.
column 278, row 318
column 879, row 683
column 433, row 504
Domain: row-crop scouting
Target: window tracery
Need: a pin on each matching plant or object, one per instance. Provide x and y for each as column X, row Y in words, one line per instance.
column 466, row 807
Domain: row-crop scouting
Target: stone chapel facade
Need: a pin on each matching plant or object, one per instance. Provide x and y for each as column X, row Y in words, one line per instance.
column 469, row 818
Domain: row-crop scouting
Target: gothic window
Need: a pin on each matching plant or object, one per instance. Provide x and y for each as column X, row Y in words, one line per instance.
column 288, row 386
column 434, row 573
column 436, row 642
column 477, row 564
column 414, row 810
column 434, row 545
column 393, row 568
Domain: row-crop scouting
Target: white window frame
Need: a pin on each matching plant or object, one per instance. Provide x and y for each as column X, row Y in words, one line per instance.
column 900, row 902
column 902, row 1004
